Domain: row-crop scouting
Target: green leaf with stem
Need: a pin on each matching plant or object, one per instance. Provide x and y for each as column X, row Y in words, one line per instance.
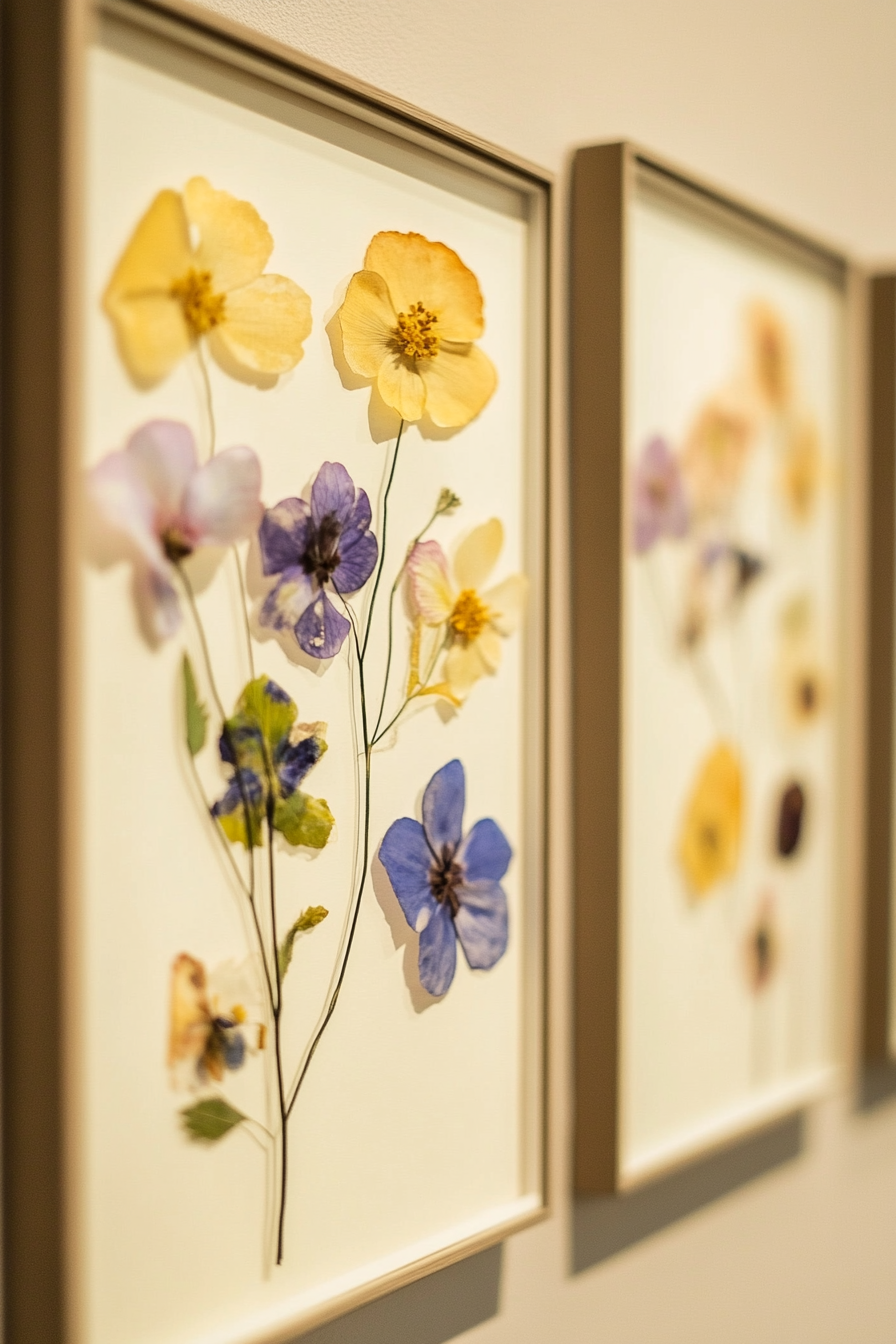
column 210, row 1119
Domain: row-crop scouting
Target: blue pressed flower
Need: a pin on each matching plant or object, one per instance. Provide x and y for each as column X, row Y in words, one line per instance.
column 449, row 884
column 270, row 754
column 326, row 544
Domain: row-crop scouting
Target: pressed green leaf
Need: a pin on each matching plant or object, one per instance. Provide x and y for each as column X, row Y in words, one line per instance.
column 233, row 824
column 210, row 1119
column 306, row 920
column 303, row 820
column 196, row 712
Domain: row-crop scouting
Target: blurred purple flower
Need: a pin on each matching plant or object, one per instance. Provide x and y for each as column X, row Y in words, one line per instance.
column 154, row 494
column 660, row 506
column 449, row 884
column 327, row 544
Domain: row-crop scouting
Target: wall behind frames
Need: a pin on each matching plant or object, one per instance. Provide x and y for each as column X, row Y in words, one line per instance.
column 790, row 1238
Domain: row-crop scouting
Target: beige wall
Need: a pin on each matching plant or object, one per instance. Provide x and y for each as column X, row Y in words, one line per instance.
column 791, row 1239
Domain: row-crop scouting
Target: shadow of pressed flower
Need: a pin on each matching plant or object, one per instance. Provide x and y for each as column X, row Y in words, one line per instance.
column 791, row 819
column 709, row 845
column 409, row 320
column 762, row 946
column 659, row 506
column 166, row 293
column 449, row 884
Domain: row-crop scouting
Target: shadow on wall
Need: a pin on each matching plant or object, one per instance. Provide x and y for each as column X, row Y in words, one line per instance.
column 431, row 1311
column 877, row 1085
column 605, row 1225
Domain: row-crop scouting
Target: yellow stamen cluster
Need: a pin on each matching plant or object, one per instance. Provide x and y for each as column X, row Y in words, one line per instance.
column 203, row 309
column 414, row 334
column 470, row 615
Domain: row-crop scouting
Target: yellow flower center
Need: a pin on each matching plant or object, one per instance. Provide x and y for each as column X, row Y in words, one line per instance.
column 414, row 335
column 470, row 615
column 203, row 309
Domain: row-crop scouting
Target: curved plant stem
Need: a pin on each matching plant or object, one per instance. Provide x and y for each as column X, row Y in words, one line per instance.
column 382, row 554
column 245, row 610
column 415, row 694
column 281, row 1093
column 206, row 381
column 364, row 863
column 398, row 577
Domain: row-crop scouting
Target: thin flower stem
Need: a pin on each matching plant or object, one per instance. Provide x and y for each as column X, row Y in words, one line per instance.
column 245, row 609
column 281, row 1092
column 378, row 736
column 382, row 555
column 209, row 406
column 398, row 578
column 364, row 862
column 220, row 834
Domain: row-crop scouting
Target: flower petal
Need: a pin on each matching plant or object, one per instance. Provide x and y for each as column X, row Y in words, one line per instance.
column 234, row 241
column 190, row 1019
column 401, row 386
column 485, row 852
column 358, row 557
column 437, row 958
column 505, row 603
column 120, row 494
column 477, row 553
column 368, row 322
column 321, row 630
column 164, row 454
column 158, row 252
column 490, row 649
column 162, row 602
column 152, row 335
column 282, row 535
column 419, row 271
column 296, row 759
column 333, row 494
column 459, row 381
column 430, row 586
column 222, row 502
column 443, row 807
column 288, row 599
column 481, row 923
column 407, row 859
column 464, row 666
column 265, row 325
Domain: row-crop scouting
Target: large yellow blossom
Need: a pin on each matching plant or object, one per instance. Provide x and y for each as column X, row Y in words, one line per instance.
column 770, row 355
column 471, row 622
column 167, row 291
column 709, row 848
column 409, row 320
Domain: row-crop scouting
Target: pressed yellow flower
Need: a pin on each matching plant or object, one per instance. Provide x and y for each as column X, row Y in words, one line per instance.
column 472, row 622
column 409, row 320
column 715, row 453
column 709, row 847
column 801, row 470
column 167, row 292
column 801, row 680
column 770, row 355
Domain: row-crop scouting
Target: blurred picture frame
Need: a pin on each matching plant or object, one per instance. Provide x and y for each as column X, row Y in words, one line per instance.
column 712, row 415
column 879, row 968
column 104, row 80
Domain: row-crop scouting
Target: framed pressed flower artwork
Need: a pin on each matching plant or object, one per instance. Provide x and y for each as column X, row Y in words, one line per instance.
column 709, row 503
column 291, row 1014
column 879, row 1015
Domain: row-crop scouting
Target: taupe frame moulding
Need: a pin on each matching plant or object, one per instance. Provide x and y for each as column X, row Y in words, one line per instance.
column 878, row 968
column 604, row 180
column 44, row 46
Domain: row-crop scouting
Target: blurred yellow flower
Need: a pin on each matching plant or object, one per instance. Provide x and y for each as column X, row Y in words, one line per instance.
column 167, row 292
column 770, row 355
column 472, row 622
column 801, row 680
column 801, row 469
column 409, row 320
column 709, row 847
column 715, row 453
